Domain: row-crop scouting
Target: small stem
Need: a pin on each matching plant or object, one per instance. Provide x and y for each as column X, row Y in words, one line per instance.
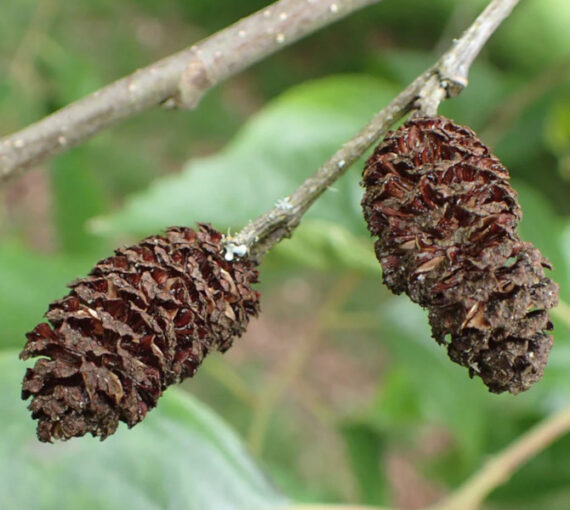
column 499, row 469
column 444, row 79
column 178, row 80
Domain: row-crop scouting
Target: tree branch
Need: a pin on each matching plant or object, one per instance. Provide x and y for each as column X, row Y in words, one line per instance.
column 455, row 64
column 444, row 79
column 494, row 473
column 499, row 469
column 178, row 80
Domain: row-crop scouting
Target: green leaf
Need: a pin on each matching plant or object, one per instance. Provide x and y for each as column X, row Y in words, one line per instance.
column 274, row 152
column 181, row 457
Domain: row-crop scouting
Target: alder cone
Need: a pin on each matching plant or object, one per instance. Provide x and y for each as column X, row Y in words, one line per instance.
column 142, row 320
column 445, row 216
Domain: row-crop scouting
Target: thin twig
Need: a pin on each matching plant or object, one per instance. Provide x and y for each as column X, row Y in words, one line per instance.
column 444, row 79
column 457, row 61
column 499, row 469
column 178, row 80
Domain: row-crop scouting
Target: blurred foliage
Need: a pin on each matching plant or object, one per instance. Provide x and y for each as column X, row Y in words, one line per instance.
column 274, row 152
column 184, row 457
column 375, row 386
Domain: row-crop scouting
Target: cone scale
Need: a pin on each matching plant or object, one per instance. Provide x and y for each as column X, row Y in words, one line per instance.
column 445, row 217
column 142, row 320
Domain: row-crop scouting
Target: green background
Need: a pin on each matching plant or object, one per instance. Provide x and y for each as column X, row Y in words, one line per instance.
column 336, row 393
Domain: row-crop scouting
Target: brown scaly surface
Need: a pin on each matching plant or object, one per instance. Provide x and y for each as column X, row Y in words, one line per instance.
column 142, row 320
column 445, row 216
